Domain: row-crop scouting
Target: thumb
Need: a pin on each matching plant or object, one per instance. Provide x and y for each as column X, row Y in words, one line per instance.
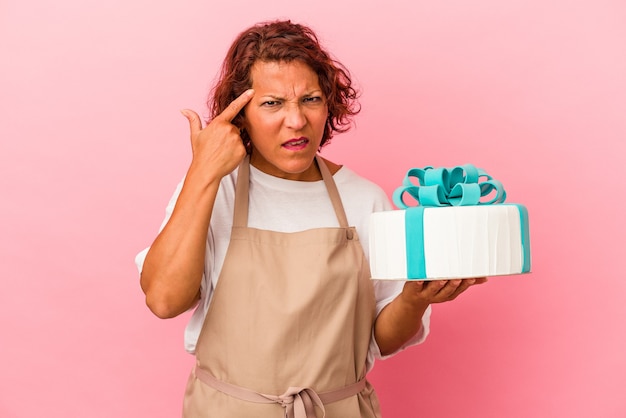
column 195, row 124
column 414, row 286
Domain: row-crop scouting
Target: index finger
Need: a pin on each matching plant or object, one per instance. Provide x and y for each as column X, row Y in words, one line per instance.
column 236, row 105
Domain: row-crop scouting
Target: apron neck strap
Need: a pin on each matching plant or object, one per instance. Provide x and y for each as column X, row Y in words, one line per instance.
column 333, row 193
column 240, row 218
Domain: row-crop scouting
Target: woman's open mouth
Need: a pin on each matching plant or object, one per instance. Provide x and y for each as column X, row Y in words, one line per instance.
column 296, row 144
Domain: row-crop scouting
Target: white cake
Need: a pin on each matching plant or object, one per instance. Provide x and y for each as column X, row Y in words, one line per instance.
column 445, row 242
column 449, row 242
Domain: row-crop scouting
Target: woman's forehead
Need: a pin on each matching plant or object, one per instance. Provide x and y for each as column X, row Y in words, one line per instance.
column 283, row 79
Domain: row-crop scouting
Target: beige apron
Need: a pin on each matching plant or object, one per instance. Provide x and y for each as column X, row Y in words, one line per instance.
column 288, row 329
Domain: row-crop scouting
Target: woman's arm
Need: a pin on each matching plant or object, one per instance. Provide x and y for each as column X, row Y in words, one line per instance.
column 174, row 265
column 400, row 320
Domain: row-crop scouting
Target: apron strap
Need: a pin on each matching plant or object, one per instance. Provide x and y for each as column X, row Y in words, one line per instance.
column 331, row 187
column 298, row 402
column 240, row 218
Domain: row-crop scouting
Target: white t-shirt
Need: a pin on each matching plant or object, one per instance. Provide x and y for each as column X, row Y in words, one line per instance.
column 289, row 206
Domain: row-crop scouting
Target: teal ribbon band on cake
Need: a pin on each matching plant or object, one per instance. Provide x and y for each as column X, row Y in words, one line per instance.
column 523, row 215
column 457, row 186
column 414, row 233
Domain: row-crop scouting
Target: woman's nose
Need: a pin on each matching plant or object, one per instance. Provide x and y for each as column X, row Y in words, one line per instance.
column 295, row 118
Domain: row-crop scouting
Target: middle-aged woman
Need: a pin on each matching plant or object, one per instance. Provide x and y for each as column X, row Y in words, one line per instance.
column 268, row 241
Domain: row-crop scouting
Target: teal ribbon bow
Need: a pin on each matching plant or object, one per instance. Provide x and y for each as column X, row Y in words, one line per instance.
column 457, row 186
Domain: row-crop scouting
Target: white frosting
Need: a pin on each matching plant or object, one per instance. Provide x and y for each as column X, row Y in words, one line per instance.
column 459, row 242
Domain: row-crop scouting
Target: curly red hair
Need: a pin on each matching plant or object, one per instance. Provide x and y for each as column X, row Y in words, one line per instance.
column 285, row 41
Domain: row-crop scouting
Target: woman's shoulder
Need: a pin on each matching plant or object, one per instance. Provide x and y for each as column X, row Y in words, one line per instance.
column 359, row 189
column 347, row 176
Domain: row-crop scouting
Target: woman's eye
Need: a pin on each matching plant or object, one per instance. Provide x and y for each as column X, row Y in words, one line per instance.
column 312, row 99
column 271, row 103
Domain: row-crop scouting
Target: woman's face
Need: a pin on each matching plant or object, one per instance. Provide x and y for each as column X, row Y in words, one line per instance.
column 285, row 119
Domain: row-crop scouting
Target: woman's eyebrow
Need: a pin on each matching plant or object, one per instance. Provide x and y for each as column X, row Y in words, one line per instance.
column 316, row 92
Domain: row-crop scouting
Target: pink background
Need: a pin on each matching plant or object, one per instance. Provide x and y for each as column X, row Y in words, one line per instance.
column 92, row 145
